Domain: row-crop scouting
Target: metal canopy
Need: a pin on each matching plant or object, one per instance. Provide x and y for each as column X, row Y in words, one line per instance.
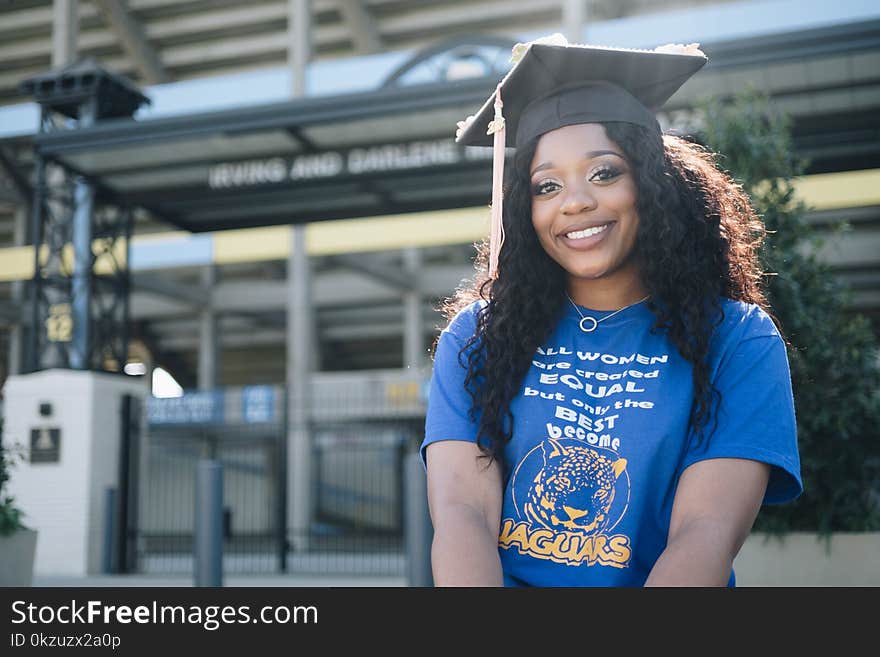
column 313, row 159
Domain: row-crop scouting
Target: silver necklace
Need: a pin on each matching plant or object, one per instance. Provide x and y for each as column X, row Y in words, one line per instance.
column 592, row 322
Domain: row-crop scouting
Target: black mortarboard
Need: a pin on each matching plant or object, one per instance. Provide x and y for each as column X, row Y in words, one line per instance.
column 553, row 84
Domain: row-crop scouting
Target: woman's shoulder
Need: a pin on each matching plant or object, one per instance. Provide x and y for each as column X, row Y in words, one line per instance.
column 741, row 320
column 464, row 324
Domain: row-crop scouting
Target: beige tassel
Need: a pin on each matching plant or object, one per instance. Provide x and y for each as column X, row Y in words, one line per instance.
column 496, row 231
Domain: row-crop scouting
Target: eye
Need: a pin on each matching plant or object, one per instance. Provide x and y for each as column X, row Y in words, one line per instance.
column 605, row 173
column 545, row 187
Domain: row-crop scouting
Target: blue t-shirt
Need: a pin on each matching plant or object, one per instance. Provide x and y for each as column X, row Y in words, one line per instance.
column 601, row 436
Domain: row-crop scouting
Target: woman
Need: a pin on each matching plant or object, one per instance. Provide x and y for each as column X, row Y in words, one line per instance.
column 611, row 401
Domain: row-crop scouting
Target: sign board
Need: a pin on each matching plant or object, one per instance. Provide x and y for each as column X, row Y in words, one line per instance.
column 333, row 164
column 45, row 445
column 258, row 404
column 192, row 408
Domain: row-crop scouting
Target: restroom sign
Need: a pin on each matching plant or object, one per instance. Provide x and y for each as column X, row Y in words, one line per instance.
column 45, row 445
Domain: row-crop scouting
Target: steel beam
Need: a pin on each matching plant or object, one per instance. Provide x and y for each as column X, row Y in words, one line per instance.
column 19, row 181
column 331, row 290
column 197, row 297
column 11, row 312
column 395, row 278
column 133, row 40
column 364, row 32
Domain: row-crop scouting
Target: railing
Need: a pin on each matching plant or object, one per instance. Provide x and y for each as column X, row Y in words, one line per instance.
column 362, row 427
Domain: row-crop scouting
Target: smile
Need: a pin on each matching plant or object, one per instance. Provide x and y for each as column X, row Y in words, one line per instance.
column 588, row 232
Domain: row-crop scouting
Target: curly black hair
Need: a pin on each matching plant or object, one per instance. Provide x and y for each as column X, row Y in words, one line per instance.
column 697, row 241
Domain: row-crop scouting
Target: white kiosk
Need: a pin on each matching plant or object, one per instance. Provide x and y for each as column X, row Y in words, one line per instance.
column 70, row 424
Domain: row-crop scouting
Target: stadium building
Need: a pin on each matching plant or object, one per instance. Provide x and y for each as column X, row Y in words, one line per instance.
column 277, row 207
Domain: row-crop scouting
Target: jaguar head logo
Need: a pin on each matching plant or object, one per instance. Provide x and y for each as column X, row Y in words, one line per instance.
column 574, row 489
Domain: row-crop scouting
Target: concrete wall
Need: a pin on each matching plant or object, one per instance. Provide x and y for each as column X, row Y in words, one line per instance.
column 64, row 500
column 801, row 559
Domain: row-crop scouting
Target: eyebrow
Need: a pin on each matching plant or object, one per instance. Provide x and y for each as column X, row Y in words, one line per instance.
column 590, row 155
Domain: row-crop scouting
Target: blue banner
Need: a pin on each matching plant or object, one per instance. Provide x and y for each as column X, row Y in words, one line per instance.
column 258, row 404
column 192, row 408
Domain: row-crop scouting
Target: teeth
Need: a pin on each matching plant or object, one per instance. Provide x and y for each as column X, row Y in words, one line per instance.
column 580, row 234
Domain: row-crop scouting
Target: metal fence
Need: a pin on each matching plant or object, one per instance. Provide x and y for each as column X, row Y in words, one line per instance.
column 356, row 482
column 253, row 489
column 357, row 475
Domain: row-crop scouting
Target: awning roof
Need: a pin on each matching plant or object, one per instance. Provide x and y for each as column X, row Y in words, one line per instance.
column 305, row 160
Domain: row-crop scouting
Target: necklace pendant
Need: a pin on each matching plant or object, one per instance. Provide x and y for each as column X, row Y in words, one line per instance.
column 591, row 324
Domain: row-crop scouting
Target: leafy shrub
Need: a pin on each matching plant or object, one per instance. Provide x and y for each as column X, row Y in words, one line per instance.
column 10, row 514
column 833, row 354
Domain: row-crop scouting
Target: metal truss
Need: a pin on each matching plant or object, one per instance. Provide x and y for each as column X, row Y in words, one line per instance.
column 81, row 315
column 79, row 294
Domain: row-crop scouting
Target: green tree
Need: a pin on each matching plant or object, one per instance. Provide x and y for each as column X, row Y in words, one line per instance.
column 833, row 352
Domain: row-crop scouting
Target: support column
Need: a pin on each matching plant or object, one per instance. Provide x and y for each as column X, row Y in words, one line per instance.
column 413, row 330
column 208, row 348
column 299, row 439
column 299, row 47
column 81, row 283
column 300, row 318
column 574, row 17
column 65, row 29
column 18, row 296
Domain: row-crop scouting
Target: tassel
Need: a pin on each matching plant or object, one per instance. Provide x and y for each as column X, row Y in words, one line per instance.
column 496, row 230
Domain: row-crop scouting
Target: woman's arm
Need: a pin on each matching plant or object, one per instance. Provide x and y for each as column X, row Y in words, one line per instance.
column 715, row 505
column 464, row 496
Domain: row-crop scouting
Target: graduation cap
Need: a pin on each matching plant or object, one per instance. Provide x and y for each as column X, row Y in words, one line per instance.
column 553, row 84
